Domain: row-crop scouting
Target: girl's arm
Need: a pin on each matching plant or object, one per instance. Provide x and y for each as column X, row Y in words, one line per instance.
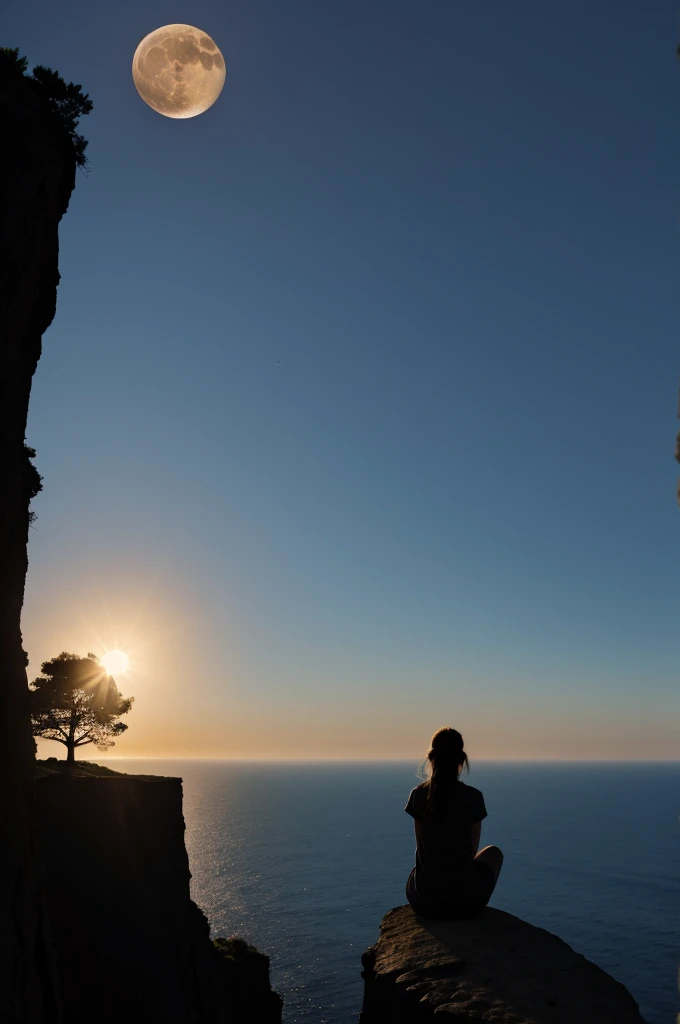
column 475, row 833
column 418, row 825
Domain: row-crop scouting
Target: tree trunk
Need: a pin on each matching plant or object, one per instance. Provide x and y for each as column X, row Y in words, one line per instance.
column 71, row 741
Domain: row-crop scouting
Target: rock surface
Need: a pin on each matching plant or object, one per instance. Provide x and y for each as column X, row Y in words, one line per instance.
column 130, row 944
column 495, row 968
column 37, row 175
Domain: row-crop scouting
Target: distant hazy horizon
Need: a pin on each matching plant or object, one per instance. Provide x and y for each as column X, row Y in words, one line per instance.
column 364, row 760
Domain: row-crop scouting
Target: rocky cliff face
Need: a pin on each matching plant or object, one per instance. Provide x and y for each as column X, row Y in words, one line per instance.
column 495, row 968
column 130, row 944
column 37, row 174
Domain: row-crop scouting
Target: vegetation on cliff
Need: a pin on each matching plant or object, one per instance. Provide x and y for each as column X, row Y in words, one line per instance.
column 244, row 973
column 76, row 702
column 67, row 102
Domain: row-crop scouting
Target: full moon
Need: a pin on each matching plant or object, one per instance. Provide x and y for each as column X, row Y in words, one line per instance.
column 178, row 70
column 115, row 662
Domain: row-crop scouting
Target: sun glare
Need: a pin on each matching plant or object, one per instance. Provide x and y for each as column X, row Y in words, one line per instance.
column 115, row 662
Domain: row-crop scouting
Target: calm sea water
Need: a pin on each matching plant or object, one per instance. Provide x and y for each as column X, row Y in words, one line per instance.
column 304, row 861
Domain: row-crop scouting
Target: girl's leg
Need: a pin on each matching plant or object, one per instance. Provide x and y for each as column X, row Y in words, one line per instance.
column 492, row 856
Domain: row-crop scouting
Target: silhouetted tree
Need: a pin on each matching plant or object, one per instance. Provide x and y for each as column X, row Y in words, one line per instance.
column 66, row 100
column 75, row 702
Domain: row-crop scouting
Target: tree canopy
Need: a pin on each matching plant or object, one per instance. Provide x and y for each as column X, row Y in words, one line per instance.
column 66, row 100
column 76, row 702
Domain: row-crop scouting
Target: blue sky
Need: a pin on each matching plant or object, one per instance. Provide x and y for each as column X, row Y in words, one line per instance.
column 357, row 415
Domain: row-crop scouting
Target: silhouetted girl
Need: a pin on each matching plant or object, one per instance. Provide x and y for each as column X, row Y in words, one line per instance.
column 450, row 878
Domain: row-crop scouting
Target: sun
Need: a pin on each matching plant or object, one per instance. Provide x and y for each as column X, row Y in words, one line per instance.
column 115, row 662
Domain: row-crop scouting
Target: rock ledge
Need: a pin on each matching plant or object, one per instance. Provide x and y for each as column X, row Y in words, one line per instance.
column 495, row 968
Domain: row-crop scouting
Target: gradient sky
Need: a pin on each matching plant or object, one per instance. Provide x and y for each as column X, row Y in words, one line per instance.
column 358, row 411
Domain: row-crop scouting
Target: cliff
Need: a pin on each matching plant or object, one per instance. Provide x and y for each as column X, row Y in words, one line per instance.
column 495, row 968
column 37, row 175
column 130, row 944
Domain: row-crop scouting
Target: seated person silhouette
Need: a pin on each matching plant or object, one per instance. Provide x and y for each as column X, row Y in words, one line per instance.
column 450, row 878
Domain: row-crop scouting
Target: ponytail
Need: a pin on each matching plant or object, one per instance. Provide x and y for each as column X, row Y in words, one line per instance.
column 445, row 756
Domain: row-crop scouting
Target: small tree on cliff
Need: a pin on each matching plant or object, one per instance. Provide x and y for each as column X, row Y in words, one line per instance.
column 75, row 702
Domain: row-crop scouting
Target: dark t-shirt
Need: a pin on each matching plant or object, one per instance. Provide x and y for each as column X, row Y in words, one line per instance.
column 444, row 855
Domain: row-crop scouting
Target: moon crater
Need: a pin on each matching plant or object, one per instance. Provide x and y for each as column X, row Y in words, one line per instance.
column 178, row 70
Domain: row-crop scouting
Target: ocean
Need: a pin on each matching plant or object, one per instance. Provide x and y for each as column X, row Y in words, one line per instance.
column 303, row 861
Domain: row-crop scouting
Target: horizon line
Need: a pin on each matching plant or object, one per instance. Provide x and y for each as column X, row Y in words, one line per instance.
column 384, row 760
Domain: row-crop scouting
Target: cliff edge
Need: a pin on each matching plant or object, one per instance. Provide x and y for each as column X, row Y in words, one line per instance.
column 495, row 968
column 130, row 943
